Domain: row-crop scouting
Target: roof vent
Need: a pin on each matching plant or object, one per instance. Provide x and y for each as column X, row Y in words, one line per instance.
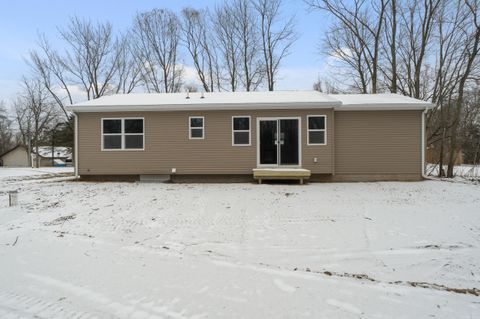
column 188, row 95
column 202, row 96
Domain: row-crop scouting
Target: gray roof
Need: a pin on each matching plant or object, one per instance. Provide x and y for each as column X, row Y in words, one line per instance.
column 247, row 100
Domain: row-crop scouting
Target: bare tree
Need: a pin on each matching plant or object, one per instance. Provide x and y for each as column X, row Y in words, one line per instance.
column 349, row 52
column 456, row 80
column 50, row 68
column 156, row 38
column 384, row 44
column 470, row 60
column 252, row 68
column 429, row 50
column 92, row 57
column 6, row 133
column 325, row 86
column 364, row 21
column 451, row 39
column 391, row 39
column 199, row 41
column 418, row 24
column 128, row 68
column 34, row 112
column 277, row 37
column 191, row 88
column 228, row 44
column 95, row 62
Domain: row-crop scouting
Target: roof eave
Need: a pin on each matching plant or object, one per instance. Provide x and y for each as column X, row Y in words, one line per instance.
column 385, row 107
column 202, row 107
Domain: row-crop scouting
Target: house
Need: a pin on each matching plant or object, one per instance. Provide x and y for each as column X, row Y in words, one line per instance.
column 15, row 157
column 18, row 156
column 62, row 156
column 205, row 136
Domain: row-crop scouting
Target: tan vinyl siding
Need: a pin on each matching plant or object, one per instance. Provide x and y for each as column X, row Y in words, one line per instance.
column 167, row 144
column 378, row 142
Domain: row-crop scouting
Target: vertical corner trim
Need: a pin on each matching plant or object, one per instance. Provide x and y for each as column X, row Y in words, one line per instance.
column 76, row 145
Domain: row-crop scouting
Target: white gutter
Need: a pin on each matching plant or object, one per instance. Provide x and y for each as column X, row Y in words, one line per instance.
column 246, row 107
column 202, row 107
column 75, row 137
column 382, row 107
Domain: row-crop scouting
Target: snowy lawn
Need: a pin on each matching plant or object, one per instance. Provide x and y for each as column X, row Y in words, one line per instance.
column 339, row 250
column 20, row 173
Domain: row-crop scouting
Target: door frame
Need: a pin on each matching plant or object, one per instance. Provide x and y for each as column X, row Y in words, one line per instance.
column 276, row 118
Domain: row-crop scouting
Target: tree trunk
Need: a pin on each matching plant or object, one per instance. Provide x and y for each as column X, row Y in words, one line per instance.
column 451, row 163
column 393, row 47
column 441, row 171
column 37, row 157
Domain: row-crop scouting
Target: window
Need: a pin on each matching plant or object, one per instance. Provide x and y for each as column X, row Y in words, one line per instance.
column 196, row 127
column 112, row 134
column 123, row 134
column 241, row 130
column 317, row 133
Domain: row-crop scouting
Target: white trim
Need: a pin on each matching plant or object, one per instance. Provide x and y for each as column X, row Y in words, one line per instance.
column 75, row 138
column 249, row 130
column 206, row 106
column 250, row 107
column 122, row 134
column 316, row 130
column 190, row 127
column 382, row 107
column 299, row 118
column 423, row 144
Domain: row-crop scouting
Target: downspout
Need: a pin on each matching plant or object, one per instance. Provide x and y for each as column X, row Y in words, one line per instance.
column 75, row 148
column 332, row 141
column 423, row 144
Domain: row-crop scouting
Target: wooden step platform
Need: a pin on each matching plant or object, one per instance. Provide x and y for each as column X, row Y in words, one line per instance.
column 299, row 174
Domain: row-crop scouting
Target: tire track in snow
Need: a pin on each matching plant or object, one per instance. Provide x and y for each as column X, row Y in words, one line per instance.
column 115, row 308
column 15, row 305
column 307, row 273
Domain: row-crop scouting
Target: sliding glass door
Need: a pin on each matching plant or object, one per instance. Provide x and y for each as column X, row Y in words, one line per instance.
column 279, row 141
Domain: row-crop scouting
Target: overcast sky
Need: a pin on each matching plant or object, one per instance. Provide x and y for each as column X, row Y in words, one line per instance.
column 22, row 20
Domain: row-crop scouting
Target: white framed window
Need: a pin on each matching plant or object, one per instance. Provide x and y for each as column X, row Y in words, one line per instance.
column 123, row 134
column 241, row 131
column 196, row 127
column 316, row 130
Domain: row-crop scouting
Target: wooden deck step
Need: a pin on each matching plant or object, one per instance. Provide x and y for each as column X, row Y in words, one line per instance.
column 300, row 174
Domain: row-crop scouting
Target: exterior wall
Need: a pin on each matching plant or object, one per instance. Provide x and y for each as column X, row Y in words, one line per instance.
column 16, row 158
column 168, row 146
column 381, row 144
column 366, row 178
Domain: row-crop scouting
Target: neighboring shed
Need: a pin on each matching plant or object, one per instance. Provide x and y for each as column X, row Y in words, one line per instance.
column 62, row 156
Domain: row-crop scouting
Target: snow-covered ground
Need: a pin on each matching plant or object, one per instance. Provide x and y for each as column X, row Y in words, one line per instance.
column 13, row 173
column 334, row 250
